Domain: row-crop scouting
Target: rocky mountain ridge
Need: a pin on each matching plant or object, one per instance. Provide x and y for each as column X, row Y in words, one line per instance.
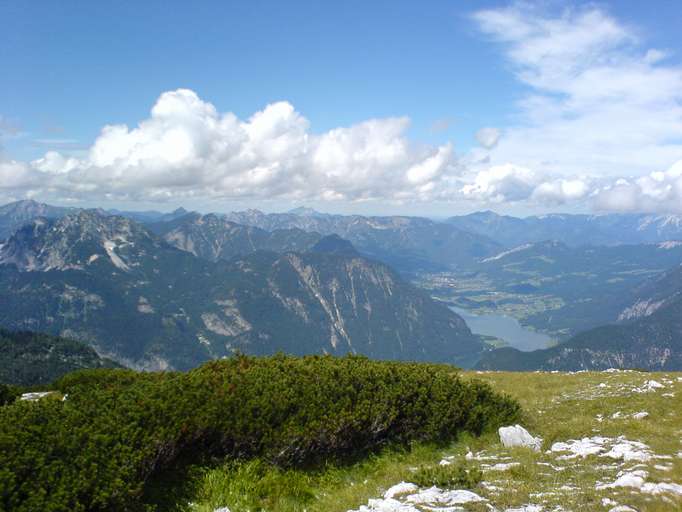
column 111, row 282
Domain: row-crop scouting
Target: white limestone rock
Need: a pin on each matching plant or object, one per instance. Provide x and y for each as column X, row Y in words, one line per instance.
column 516, row 435
column 401, row 488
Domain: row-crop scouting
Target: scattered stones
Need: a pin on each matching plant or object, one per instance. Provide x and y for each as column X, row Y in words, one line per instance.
column 637, row 479
column 518, row 436
column 649, row 386
column 629, row 450
column 619, row 448
column 427, row 498
column 579, row 447
column 625, row 467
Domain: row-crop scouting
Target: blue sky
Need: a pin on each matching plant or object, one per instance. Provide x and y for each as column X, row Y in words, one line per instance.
column 70, row 68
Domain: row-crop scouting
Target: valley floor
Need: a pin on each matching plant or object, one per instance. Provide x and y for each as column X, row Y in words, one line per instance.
column 600, row 452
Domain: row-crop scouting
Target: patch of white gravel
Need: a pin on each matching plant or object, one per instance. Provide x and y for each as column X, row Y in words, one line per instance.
column 649, row 386
column 432, row 498
column 619, row 448
column 637, row 479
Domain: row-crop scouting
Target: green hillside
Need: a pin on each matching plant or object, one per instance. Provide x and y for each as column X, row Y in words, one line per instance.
column 29, row 359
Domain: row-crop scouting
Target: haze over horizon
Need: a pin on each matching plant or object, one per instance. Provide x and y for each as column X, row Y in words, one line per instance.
column 395, row 108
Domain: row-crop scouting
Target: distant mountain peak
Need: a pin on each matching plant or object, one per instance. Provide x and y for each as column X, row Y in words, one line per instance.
column 304, row 211
column 74, row 242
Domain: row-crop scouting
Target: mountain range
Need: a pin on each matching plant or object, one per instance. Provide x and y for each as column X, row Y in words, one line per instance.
column 110, row 281
column 407, row 243
column 168, row 290
column 572, row 230
column 15, row 215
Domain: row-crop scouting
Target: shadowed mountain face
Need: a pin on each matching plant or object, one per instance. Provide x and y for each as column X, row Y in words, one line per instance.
column 29, row 359
column 111, row 282
column 15, row 215
column 647, row 336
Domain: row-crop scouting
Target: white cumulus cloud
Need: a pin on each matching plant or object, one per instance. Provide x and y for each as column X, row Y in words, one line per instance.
column 598, row 121
column 186, row 148
column 597, row 100
column 502, row 183
column 659, row 191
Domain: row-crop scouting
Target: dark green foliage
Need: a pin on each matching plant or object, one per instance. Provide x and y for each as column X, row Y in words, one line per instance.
column 460, row 476
column 28, row 358
column 8, row 394
column 97, row 449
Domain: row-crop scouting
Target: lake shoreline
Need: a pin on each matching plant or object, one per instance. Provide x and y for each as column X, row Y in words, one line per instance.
column 505, row 328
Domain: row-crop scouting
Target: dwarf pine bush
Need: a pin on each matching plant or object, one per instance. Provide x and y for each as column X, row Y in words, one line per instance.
column 97, row 449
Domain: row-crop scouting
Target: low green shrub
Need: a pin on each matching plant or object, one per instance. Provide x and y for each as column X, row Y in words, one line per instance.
column 460, row 476
column 97, row 449
column 8, row 394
